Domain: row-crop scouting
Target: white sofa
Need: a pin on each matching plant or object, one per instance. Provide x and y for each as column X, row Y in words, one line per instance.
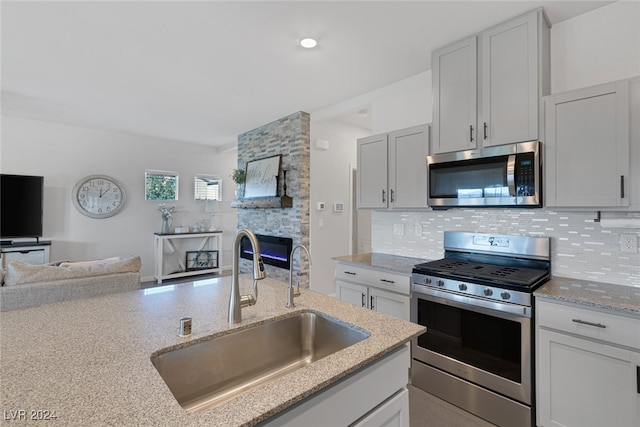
column 27, row 285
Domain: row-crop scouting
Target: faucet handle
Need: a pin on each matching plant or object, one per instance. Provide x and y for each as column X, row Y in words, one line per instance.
column 258, row 269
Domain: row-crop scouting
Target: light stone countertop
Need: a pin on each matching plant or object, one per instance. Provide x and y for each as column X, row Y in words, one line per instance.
column 616, row 299
column 89, row 360
column 380, row 261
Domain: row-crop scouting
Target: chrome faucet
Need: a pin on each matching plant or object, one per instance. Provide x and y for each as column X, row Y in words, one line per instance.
column 237, row 302
column 291, row 294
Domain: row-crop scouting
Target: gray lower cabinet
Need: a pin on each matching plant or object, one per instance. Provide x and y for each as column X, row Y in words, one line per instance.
column 382, row 291
column 587, row 367
column 375, row 396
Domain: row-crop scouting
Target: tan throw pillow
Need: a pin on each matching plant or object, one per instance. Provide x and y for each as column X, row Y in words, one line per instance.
column 19, row 272
column 81, row 264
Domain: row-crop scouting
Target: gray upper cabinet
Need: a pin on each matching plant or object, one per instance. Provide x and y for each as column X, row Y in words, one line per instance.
column 515, row 76
column 587, row 147
column 455, row 90
column 488, row 89
column 392, row 169
column 372, row 172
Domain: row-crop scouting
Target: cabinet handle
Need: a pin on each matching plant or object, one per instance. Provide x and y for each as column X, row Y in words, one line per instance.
column 364, row 300
column 470, row 133
column 350, row 272
column 485, row 131
column 371, row 303
column 622, row 186
column 387, row 281
column 584, row 322
column 391, row 193
column 383, row 196
column 638, row 379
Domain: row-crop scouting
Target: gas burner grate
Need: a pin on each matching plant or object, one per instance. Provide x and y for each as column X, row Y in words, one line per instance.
column 453, row 264
column 504, row 272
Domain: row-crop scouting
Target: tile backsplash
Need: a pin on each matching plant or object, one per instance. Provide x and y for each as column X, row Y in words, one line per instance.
column 581, row 248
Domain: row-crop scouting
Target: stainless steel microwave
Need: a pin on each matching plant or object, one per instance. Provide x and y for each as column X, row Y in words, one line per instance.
column 501, row 176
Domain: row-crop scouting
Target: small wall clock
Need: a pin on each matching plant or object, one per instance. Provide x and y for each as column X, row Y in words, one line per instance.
column 98, row 196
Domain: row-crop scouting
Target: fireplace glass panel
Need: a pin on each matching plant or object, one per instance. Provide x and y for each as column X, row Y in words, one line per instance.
column 275, row 250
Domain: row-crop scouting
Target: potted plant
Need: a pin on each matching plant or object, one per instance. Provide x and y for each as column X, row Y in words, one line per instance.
column 238, row 176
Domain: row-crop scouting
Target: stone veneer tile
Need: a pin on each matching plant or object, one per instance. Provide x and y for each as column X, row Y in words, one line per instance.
column 289, row 137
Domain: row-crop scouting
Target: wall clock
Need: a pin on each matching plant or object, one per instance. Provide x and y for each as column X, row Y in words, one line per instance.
column 98, row 196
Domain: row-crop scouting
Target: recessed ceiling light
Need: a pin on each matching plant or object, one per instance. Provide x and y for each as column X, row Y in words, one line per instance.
column 308, row 42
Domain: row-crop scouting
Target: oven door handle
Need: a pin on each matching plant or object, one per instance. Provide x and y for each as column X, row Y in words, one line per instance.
column 465, row 302
column 511, row 175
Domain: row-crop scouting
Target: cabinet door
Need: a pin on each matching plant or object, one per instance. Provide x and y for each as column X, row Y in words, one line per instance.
column 372, row 172
column 454, row 97
column 390, row 303
column 352, row 293
column 586, row 383
column 510, row 90
column 587, row 147
column 392, row 413
column 408, row 151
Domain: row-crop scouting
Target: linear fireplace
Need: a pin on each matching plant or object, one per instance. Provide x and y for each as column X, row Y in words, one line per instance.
column 275, row 250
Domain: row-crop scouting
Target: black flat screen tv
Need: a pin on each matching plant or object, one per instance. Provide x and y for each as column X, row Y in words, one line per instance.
column 21, row 200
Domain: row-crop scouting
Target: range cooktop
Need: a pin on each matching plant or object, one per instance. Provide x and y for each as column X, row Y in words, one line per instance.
column 493, row 274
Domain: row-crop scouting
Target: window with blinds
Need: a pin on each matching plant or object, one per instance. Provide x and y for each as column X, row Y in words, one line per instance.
column 207, row 187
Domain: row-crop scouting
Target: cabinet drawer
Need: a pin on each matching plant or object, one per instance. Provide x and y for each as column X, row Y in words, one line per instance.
column 593, row 324
column 31, row 256
column 395, row 282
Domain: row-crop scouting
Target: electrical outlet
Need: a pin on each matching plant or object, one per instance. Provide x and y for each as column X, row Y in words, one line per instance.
column 398, row 229
column 629, row 243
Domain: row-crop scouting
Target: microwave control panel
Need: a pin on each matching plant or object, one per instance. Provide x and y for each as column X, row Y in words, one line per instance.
column 525, row 175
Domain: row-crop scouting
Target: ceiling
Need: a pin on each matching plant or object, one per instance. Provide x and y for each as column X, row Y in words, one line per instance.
column 207, row 71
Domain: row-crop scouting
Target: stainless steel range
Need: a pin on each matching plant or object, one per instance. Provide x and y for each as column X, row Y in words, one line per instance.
column 476, row 303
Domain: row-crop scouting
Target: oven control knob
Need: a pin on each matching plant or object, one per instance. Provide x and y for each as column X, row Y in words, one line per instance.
column 440, row 283
column 505, row 295
column 427, row 280
column 488, row 292
column 462, row 287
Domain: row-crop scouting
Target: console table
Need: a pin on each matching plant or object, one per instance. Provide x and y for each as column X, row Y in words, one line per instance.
column 29, row 252
column 205, row 245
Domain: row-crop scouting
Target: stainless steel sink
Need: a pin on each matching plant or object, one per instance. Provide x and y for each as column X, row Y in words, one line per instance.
column 211, row 372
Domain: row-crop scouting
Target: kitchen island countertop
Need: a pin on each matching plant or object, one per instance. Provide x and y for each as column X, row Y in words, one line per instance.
column 88, row 361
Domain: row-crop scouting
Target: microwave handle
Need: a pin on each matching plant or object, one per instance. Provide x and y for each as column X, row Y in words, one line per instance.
column 511, row 174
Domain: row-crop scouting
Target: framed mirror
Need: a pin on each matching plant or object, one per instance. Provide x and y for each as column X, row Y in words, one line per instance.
column 207, row 188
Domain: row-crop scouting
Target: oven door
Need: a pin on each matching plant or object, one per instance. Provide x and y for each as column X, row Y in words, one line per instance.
column 484, row 342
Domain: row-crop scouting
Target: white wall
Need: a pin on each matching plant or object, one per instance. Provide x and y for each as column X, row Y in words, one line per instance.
column 65, row 154
column 596, row 47
column 400, row 105
column 329, row 231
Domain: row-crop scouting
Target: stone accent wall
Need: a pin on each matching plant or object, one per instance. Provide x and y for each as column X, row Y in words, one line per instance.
column 290, row 138
column 580, row 247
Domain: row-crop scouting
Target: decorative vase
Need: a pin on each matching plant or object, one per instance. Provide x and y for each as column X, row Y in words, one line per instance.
column 166, row 225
